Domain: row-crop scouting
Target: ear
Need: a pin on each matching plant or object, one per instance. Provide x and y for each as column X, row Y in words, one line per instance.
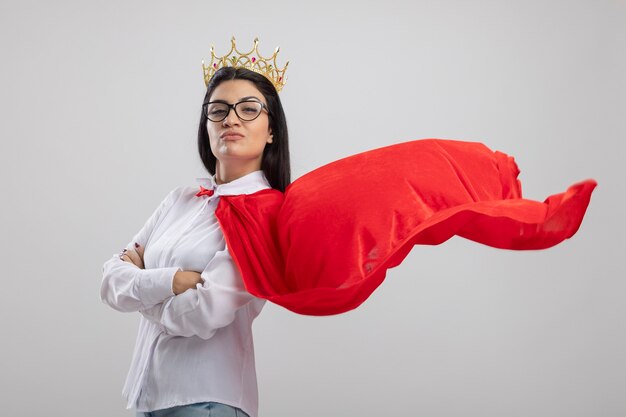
column 271, row 137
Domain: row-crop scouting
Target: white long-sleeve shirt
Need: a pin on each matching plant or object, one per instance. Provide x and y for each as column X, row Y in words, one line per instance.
column 196, row 346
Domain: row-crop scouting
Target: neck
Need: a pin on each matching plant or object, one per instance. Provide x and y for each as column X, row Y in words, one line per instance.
column 229, row 172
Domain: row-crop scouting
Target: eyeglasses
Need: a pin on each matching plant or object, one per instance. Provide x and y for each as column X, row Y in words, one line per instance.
column 246, row 110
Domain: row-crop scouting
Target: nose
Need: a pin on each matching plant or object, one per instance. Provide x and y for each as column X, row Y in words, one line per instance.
column 231, row 118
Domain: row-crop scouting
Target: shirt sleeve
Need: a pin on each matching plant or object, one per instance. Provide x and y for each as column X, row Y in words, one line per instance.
column 207, row 308
column 126, row 287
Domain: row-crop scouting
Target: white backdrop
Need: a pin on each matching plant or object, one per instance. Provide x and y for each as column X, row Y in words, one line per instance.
column 99, row 106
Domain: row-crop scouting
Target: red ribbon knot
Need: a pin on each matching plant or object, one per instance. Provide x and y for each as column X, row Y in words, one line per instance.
column 204, row 191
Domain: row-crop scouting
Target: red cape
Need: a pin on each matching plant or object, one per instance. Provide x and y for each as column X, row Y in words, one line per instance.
column 324, row 245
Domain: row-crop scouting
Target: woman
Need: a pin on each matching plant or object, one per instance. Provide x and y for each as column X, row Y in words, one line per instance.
column 194, row 351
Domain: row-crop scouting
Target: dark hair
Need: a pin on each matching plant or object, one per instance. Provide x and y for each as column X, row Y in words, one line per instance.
column 275, row 162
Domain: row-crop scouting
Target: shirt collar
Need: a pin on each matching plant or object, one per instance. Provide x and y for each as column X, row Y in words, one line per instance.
column 248, row 184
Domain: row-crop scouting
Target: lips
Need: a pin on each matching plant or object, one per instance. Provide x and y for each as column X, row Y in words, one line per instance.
column 231, row 135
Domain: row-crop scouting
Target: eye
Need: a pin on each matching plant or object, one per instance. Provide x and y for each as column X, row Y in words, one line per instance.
column 250, row 107
column 217, row 110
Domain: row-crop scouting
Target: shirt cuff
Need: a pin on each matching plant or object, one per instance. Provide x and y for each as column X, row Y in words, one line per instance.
column 155, row 285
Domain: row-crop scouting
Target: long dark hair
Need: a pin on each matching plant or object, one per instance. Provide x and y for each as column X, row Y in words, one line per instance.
column 275, row 162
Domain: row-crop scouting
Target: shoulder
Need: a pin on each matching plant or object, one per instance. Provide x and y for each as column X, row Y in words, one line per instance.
column 180, row 194
column 262, row 204
column 265, row 195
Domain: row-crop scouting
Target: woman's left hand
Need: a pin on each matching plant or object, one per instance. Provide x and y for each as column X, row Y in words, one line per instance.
column 133, row 255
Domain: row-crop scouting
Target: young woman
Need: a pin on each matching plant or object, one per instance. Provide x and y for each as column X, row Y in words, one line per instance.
column 194, row 352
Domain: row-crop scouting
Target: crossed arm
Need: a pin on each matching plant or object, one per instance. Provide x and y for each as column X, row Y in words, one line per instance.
column 182, row 281
column 181, row 303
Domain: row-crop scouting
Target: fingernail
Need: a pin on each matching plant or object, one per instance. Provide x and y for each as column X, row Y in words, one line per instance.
column 136, row 244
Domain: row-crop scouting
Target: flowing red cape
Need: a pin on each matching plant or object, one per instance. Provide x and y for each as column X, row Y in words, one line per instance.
column 325, row 245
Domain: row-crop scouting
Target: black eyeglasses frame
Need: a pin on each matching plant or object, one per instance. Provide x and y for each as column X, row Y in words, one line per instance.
column 205, row 107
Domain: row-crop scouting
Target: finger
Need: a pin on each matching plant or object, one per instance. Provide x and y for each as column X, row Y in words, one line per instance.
column 132, row 254
column 139, row 248
column 136, row 258
column 125, row 255
column 128, row 259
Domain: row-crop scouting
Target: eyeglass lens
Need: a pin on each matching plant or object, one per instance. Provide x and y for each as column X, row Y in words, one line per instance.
column 245, row 110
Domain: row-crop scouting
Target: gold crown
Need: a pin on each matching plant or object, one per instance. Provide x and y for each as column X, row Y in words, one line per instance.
column 256, row 63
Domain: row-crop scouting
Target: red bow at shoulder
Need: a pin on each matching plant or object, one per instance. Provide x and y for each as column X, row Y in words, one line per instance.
column 204, row 191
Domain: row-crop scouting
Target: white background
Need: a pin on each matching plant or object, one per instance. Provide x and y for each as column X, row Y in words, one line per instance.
column 100, row 102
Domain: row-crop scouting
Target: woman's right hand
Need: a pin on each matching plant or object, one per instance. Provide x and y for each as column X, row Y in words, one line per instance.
column 184, row 280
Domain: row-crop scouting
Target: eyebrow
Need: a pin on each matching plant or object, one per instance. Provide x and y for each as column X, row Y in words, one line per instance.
column 241, row 99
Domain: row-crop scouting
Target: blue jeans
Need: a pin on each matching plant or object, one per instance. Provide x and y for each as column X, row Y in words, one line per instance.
column 211, row 409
